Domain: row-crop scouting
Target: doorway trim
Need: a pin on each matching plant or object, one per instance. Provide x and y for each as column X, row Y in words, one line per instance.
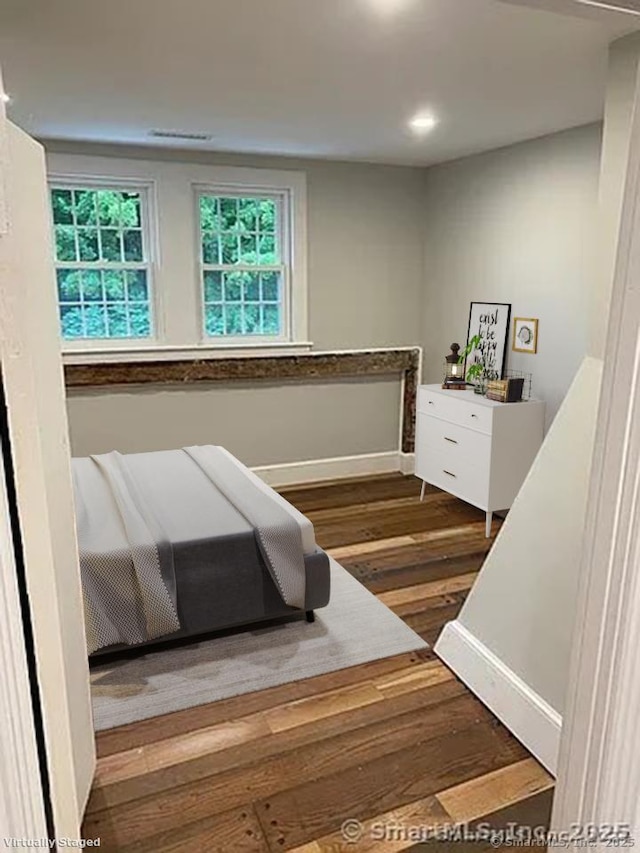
column 22, row 796
column 599, row 773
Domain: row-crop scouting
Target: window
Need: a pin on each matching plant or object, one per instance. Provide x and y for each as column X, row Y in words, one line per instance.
column 244, row 259
column 102, row 262
column 162, row 260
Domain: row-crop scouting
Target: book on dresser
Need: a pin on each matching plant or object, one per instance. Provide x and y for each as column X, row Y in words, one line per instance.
column 477, row 449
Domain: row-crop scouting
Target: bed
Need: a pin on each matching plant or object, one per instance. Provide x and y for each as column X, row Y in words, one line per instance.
column 185, row 542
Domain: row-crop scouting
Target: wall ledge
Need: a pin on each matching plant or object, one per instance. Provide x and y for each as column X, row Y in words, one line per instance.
column 405, row 361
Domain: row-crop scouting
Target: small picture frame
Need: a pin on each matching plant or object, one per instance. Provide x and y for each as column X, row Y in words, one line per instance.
column 525, row 334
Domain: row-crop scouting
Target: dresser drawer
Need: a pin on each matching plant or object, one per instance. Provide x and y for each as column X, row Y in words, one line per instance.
column 452, row 447
column 456, row 407
column 469, row 484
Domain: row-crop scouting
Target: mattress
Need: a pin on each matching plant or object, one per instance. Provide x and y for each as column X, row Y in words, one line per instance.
column 220, row 577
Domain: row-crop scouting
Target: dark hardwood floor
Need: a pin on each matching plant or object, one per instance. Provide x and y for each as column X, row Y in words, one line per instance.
column 398, row 741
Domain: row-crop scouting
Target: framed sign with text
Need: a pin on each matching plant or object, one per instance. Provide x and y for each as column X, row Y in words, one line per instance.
column 490, row 321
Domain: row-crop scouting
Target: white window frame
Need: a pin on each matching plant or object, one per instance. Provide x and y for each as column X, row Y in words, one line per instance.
column 284, row 241
column 150, row 251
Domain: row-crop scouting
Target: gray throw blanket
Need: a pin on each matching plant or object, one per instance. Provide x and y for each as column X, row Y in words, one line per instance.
column 126, row 560
column 278, row 534
column 130, row 591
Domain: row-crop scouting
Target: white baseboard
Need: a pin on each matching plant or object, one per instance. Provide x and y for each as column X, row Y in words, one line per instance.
column 532, row 720
column 313, row 470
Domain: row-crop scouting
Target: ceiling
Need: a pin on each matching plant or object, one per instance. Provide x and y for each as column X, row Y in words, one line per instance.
column 322, row 78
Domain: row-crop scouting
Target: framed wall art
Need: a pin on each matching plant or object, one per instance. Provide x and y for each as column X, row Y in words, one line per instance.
column 490, row 322
column 525, row 334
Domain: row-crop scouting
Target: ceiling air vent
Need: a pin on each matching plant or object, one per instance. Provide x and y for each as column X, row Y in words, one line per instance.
column 179, row 134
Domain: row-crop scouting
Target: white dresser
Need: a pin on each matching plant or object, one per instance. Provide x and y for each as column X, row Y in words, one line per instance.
column 474, row 448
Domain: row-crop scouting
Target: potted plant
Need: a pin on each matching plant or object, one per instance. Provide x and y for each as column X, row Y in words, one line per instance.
column 475, row 371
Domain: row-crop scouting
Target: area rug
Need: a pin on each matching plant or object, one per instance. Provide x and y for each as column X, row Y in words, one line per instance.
column 354, row 628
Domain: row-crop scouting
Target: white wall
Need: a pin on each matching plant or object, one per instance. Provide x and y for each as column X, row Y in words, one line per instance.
column 261, row 424
column 364, row 233
column 511, row 642
column 365, row 265
column 522, row 605
column 516, row 225
column 395, row 257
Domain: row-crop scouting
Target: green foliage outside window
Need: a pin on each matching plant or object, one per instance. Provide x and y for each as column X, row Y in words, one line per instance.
column 98, row 243
column 241, row 232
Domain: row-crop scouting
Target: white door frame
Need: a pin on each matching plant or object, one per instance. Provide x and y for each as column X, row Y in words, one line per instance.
column 599, row 769
column 22, row 812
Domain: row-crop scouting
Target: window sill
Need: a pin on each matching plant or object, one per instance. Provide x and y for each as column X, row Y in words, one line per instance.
column 115, row 355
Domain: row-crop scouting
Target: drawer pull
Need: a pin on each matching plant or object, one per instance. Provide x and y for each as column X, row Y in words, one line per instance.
column 448, row 473
column 474, row 416
column 430, row 402
column 452, row 440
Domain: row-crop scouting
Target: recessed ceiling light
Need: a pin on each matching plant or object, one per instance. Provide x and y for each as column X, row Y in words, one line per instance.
column 388, row 8
column 423, row 123
column 6, row 99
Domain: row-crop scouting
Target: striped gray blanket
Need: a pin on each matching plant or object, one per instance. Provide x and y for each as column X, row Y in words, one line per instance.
column 126, row 560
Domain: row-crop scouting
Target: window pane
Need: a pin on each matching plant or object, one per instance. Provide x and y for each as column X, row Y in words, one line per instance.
column 233, row 287
column 252, row 320
column 130, row 210
column 68, row 285
column 117, row 318
column 209, row 215
column 71, row 321
column 271, row 325
column 270, row 286
column 229, row 245
column 86, row 207
column 137, row 288
column 251, row 287
column 92, row 286
column 267, row 215
column 268, row 250
column 210, row 249
column 229, row 213
column 248, row 213
column 88, row 244
column 214, row 320
column 109, row 207
column 233, row 319
column 111, row 245
column 65, row 243
column 212, row 286
column 95, row 321
column 249, row 249
column 132, row 242
column 114, row 287
column 140, row 319
column 62, row 207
